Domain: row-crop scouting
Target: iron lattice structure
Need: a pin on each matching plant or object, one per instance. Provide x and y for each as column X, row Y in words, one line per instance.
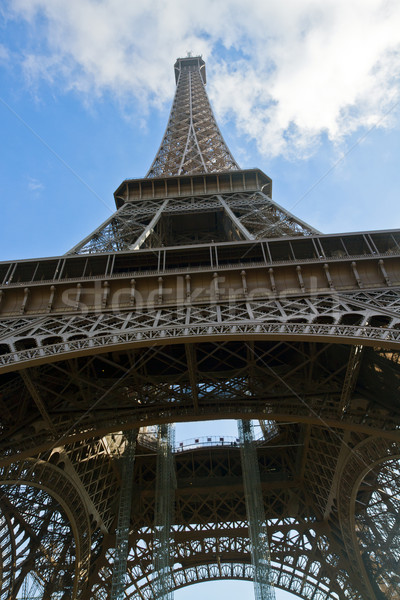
column 258, row 530
column 201, row 298
column 164, row 513
column 192, row 142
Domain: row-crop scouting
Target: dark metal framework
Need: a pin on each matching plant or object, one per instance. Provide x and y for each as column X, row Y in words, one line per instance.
column 255, row 511
column 201, row 298
column 192, row 142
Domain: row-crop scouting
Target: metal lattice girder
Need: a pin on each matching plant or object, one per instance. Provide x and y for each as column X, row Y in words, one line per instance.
column 353, row 317
column 124, row 514
column 150, row 223
column 378, row 525
column 303, row 377
column 351, row 376
column 192, row 142
column 296, row 250
column 49, row 528
column 370, row 479
column 90, row 464
column 201, row 298
column 164, row 514
column 211, row 523
column 228, row 273
column 260, row 553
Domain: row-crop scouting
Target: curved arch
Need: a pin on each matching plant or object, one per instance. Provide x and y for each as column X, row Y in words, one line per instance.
column 139, row 337
column 221, row 383
column 377, row 526
column 315, row 318
column 56, row 483
column 285, row 579
column 363, row 458
column 297, row 561
column 7, row 554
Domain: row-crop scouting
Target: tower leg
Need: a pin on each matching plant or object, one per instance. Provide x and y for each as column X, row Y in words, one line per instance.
column 164, row 513
column 124, row 514
column 263, row 590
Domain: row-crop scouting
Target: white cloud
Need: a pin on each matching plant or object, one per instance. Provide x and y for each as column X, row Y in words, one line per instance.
column 34, row 185
column 302, row 68
column 4, row 54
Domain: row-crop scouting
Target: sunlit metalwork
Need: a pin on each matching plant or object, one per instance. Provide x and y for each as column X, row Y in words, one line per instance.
column 164, row 513
column 124, row 516
column 260, row 553
column 200, row 298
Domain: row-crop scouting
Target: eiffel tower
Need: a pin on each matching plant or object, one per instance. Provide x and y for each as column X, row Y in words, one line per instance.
column 201, row 299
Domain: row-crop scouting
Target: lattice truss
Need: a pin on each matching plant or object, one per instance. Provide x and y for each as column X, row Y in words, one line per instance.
column 45, row 533
column 301, row 467
column 211, row 522
column 192, row 142
column 124, row 513
column 359, row 317
column 258, row 532
column 71, row 383
column 37, row 543
column 33, row 411
column 153, row 223
column 75, row 376
column 378, row 525
column 371, row 477
column 164, row 513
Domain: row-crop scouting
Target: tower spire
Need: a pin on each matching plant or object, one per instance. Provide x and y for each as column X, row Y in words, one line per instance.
column 200, row 298
column 192, row 142
column 172, row 205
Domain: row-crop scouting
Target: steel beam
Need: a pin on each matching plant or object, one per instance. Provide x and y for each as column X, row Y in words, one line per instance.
column 260, row 553
column 164, row 514
column 124, row 513
column 142, row 238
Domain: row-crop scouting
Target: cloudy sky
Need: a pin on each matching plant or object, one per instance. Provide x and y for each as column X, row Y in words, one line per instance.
column 306, row 90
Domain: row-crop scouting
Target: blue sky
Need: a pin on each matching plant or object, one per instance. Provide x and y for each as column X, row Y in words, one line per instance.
column 86, row 89
column 307, row 90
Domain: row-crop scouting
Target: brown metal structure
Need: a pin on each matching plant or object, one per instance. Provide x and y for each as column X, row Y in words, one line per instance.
column 201, row 298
